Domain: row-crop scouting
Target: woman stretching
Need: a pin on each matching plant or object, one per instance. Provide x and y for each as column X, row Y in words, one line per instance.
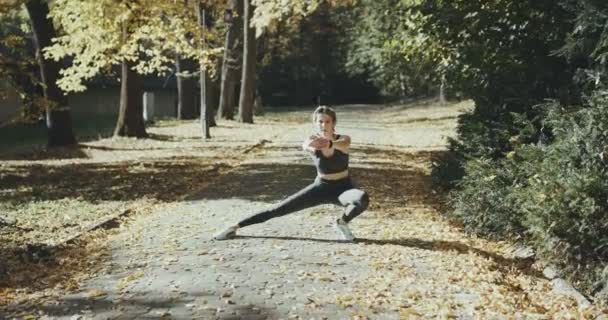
column 329, row 152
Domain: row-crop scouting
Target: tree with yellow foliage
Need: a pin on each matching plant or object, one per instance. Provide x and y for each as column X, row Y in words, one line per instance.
column 142, row 36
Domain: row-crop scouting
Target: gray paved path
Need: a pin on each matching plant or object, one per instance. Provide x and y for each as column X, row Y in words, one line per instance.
column 407, row 262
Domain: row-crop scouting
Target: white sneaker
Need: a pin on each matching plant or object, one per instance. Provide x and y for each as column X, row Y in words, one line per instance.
column 343, row 229
column 229, row 233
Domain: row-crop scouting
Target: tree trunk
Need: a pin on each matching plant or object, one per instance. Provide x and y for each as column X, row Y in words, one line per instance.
column 213, row 96
column 442, row 97
column 205, row 110
column 231, row 62
column 249, row 66
column 258, row 107
column 58, row 118
column 186, row 89
column 130, row 117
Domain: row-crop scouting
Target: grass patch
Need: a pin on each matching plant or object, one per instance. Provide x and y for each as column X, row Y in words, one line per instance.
column 48, row 221
column 33, row 135
column 287, row 114
column 428, row 119
column 90, row 128
column 170, row 122
column 47, row 203
column 13, row 135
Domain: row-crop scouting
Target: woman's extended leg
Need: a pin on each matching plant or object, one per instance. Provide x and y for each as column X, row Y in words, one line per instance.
column 312, row 195
column 308, row 197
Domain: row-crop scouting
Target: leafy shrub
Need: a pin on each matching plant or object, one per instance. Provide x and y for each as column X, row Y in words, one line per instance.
column 555, row 196
column 482, row 134
column 447, row 169
column 537, row 175
column 566, row 203
column 484, row 200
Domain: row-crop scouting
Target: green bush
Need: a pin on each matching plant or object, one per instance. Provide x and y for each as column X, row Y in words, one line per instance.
column 483, row 135
column 478, row 137
column 484, row 199
column 447, row 169
column 516, row 170
column 554, row 196
column 566, row 204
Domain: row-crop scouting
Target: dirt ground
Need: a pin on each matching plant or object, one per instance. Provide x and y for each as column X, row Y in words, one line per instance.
column 174, row 190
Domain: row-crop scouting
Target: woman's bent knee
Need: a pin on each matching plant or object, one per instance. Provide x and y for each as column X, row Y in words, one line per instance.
column 364, row 201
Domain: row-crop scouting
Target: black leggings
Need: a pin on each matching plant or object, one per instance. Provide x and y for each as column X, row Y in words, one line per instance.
column 340, row 192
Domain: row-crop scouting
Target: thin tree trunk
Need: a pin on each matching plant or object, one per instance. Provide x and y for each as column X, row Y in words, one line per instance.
column 130, row 117
column 186, row 89
column 213, row 96
column 442, row 95
column 58, row 118
column 204, row 114
column 249, row 66
column 205, row 108
column 212, row 85
column 231, row 62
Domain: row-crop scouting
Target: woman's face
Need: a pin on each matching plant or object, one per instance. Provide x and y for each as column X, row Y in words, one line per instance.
column 324, row 123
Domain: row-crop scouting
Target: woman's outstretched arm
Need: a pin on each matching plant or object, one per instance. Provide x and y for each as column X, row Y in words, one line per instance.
column 317, row 143
column 314, row 143
column 342, row 144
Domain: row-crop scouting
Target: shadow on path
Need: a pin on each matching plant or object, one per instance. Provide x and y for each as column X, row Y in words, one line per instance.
column 164, row 179
column 394, row 185
column 121, row 181
column 502, row 263
column 42, row 153
column 148, row 305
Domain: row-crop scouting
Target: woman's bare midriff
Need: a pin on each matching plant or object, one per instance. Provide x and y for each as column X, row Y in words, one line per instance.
column 333, row 176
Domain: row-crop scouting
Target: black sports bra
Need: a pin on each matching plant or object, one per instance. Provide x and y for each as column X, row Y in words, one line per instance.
column 335, row 163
